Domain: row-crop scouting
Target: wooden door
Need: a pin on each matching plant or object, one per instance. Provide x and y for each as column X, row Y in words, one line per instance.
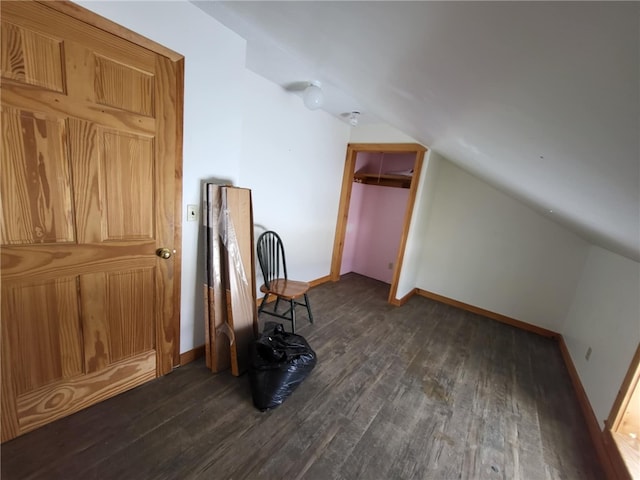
column 90, row 182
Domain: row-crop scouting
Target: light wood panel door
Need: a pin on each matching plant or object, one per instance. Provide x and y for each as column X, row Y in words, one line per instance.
column 91, row 140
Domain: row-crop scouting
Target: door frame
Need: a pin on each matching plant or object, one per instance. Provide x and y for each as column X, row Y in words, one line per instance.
column 345, row 201
column 630, row 387
column 168, row 359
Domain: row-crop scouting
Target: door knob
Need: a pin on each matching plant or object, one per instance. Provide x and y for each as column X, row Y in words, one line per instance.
column 163, row 253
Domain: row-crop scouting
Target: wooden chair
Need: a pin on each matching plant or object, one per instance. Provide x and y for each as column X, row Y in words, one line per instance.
column 274, row 271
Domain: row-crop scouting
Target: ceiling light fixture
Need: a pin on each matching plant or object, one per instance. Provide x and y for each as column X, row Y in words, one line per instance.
column 313, row 97
column 353, row 118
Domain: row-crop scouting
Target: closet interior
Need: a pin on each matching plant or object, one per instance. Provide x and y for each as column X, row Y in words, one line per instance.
column 379, row 187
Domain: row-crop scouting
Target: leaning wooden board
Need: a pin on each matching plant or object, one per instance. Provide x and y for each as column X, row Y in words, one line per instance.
column 230, row 312
column 236, row 233
column 217, row 351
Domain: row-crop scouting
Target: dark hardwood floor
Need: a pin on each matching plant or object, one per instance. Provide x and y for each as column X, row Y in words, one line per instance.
column 423, row 391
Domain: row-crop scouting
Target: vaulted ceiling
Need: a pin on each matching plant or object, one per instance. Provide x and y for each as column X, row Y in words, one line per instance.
column 540, row 99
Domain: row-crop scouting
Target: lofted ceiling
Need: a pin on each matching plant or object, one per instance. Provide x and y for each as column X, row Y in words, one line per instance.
column 540, row 99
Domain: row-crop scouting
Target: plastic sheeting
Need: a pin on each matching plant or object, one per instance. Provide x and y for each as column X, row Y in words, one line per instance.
column 231, row 322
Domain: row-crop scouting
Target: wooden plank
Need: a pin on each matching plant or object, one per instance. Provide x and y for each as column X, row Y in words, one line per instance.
column 387, row 147
column 383, row 180
column 217, row 339
column 237, row 238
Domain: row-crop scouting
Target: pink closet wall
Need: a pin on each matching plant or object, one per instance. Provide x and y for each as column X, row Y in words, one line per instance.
column 376, row 216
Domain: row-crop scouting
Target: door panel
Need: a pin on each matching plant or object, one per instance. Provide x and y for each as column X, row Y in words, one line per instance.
column 36, row 180
column 48, row 347
column 131, row 306
column 87, row 189
column 88, row 196
column 32, row 58
column 128, row 187
column 138, row 98
column 44, row 405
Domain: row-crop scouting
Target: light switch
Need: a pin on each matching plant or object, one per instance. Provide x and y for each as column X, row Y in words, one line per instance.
column 192, row 213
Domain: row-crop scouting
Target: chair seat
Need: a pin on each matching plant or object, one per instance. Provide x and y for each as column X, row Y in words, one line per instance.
column 286, row 289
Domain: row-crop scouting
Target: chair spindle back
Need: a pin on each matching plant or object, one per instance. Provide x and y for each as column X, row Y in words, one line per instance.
column 271, row 257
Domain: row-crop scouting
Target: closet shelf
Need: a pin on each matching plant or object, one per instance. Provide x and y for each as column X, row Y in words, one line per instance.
column 383, row 179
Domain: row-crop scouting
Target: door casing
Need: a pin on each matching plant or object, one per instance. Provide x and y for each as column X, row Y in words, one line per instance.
column 345, row 199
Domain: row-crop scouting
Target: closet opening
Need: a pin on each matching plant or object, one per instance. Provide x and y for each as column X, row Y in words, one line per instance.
column 379, row 187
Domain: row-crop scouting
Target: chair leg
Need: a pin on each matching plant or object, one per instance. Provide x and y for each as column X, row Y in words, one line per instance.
column 275, row 309
column 293, row 316
column 306, row 301
column 264, row 300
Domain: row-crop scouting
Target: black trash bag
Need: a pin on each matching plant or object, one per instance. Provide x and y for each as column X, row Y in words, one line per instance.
column 279, row 362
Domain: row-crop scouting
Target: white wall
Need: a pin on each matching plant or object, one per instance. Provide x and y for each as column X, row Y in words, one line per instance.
column 246, row 130
column 467, row 241
column 292, row 159
column 477, row 245
column 379, row 133
column 419, row 222
column 214, row 87
column 489, row 250
column 604, row 315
